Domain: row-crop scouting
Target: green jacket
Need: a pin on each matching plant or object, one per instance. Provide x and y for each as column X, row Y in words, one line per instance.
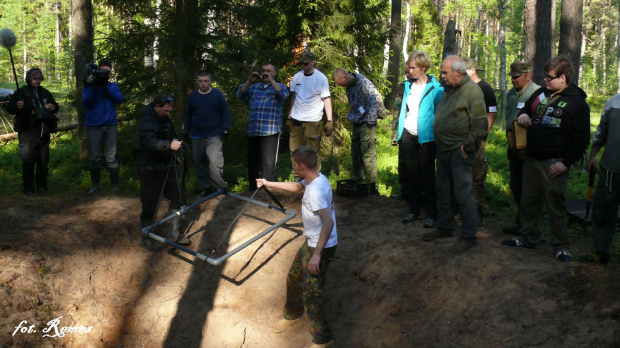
column 460, row 117
column 515, row 101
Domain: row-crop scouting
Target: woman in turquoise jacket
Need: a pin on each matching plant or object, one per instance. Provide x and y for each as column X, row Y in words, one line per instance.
column 413, row 132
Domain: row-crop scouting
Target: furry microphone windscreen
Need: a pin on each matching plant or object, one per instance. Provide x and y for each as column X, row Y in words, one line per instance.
column 7, row 38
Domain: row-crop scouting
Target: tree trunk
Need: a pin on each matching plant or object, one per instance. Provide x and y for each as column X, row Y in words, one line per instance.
column 83, row 53
column 571, row 23
column 395, row 39
column 538, row 36
column 449, row 45
column 502, row 65
column 407, row 31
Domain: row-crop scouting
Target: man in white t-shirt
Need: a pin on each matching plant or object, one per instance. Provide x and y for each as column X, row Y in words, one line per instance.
column 306, row 278
column 311, row 95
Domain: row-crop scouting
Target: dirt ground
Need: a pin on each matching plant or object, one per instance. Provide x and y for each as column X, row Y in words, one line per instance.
column 75, row 262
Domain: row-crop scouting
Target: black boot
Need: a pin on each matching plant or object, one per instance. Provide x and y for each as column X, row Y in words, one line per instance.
column 114, row 178
column 373, row 191
column 148, row 243
column 175, row 224
column 95, row 179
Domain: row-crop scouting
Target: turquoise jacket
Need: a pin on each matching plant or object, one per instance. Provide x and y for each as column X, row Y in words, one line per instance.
column 426, row 116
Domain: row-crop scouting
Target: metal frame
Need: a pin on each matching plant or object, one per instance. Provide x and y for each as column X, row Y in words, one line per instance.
column 147, row 230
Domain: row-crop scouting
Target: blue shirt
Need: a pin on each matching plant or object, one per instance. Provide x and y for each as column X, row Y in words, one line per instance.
column 265, row 108
column 207, row 114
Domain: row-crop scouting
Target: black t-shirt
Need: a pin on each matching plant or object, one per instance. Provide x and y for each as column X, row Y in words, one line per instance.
column 489, row 96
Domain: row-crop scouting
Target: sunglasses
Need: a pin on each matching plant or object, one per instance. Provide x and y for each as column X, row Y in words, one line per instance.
column 516, row 77
column 303, row 64
column 549, row 77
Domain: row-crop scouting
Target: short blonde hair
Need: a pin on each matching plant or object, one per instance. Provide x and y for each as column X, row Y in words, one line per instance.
column 421, row 59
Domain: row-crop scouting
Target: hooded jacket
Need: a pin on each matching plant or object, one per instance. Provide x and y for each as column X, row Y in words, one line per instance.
column 156, row 134
column 461, row 117
column 100, row 104
column 560, row 124
column 608, row 135
column 426, row 116
column 26, row 118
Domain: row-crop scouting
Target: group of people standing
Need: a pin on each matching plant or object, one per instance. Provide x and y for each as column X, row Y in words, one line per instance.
column 440, row 130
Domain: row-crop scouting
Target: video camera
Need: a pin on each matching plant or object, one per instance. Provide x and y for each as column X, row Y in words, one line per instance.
column 100, row 76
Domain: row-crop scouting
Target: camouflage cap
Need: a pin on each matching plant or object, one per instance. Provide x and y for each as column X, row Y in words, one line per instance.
column 472, row 64
column 306, row 57
column 519, row 67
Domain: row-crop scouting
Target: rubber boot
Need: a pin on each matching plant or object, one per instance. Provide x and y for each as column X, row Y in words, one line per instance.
column 148, row 243
column 175, row 224
column 114, row 178
column 95, row 179
column 373, row 191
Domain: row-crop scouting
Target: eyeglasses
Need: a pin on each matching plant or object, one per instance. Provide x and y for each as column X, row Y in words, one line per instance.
column 549, row 77
column 303, row 64
column 516, row 77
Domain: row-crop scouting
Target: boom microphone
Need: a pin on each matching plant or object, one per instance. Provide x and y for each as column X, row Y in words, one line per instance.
column 8, row 40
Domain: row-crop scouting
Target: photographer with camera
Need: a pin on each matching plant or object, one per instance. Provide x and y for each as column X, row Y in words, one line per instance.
column 34, row 108
column 266, row 98
column 100, row 98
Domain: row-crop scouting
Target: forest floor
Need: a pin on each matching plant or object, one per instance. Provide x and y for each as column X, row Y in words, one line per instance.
column 75, row 262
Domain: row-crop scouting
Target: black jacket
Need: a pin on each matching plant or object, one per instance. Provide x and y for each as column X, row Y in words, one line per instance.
column 26, row 118
column 156, row 134
column 560, row 124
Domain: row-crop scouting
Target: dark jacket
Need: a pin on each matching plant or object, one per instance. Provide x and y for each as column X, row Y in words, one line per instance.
column 608, row 135
column 26, row 118
column 100, row 104
column 460, row 117
column 560, row 125
column 156, row 134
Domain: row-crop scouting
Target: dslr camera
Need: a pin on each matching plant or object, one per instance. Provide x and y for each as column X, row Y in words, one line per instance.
column 100, row 76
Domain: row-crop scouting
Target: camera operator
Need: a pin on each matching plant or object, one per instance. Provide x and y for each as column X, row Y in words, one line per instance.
column 157, row 161
column 34, row 108
column 100, row 98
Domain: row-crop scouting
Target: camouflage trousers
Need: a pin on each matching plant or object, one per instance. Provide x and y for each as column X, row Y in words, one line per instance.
column 479, row 171
column 364, row 153
column 306, row 134
column 304, row 291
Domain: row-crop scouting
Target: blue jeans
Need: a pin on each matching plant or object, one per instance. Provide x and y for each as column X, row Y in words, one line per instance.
column 209, row 162
column 102, row 140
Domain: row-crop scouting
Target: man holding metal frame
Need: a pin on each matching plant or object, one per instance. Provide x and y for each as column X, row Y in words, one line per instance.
column 306, row 278
column 157, row 167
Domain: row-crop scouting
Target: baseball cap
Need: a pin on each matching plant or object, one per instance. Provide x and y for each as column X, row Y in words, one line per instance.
column 306, row 57
column 519, row 67
column 472, row 64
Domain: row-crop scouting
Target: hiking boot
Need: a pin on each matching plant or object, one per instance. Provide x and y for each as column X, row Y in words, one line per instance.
column 436, row 234
column 516, row 243
column 563, row 255
column 284, row 324
column 594, row 258
column 514, row 230
column 175, row 224
column 411, row 217
column 461, row 246
column 323, row 345
column 429, row 223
